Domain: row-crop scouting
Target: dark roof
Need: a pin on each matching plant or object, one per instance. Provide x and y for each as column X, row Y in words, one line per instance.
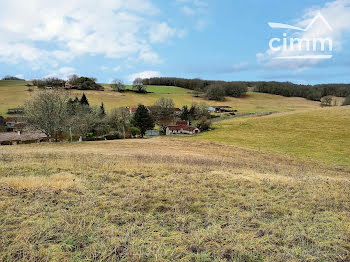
column 15, row 119
column 218, row 107
column 25, row 136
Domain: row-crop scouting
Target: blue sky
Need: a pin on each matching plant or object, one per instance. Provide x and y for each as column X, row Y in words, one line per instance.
column 221, row 40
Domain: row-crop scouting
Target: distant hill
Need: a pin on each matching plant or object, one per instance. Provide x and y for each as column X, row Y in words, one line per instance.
column 8, row 77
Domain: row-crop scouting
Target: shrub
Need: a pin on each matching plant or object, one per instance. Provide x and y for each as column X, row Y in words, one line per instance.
column 326, row 101
column 346, row 101
column 204, row 124
column 134, row 131
column 215, row 92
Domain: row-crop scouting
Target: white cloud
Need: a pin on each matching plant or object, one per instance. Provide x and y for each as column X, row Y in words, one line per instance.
column 116, row 69
column 104, row 68
column 62, row 73
column 162, row 31
column 188, row 11
column 198, row 10
column 145, row 74
column 20, row 76
column 116, row 29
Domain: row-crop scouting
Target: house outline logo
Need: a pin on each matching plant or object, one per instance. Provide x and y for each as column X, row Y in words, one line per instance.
column 285, row 26
column 302, row 41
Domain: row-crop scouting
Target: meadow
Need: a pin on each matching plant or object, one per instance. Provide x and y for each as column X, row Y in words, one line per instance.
column 169, row 200
column 319, row 134
column 14, row 93
column 270, row 188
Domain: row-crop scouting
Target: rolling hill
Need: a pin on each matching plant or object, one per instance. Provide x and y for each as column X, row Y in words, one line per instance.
column 317, row 134
column 14, row 93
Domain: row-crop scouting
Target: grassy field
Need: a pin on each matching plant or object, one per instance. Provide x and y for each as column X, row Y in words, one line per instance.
column 13, row 94
column 321, row 134
column 169, row 200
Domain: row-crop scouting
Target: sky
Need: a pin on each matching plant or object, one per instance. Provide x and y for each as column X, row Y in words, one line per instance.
column 209, row 39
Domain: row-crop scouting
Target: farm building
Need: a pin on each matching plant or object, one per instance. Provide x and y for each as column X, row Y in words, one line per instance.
column 221, row 109
column 15, row 123
column 182, row 127
column 14, row 138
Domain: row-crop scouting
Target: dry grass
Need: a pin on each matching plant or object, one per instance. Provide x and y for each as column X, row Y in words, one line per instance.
column 169, row 200
column 53, row 182
column 13, row 94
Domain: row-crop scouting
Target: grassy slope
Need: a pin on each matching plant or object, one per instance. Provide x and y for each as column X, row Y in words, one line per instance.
column 169, row 200
column 321, row 134
column 13, row 94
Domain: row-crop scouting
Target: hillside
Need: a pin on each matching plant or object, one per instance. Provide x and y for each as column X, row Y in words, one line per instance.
column 142, row 200
column 321, row 134
column 14, row 93
column 272, row 188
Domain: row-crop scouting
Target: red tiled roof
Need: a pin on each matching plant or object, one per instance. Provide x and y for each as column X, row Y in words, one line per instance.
column 175, row 127
column 182, row 123
column 189, row 128
column 25, row 136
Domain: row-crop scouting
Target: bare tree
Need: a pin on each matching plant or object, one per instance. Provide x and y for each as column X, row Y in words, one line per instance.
column 73, row 79
column 120, row 118
column 165, row 103
column 118, row 85
column 138, row 85
column 326, row 101
column 47, row 112
column 84, row 120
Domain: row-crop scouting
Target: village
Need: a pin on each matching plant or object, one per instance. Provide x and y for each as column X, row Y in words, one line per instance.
column 17, row 128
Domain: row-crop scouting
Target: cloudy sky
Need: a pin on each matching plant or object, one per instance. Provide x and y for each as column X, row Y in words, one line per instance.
column 210, row 39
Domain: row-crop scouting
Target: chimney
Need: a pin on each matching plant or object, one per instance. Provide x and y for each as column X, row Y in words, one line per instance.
column 19, row 133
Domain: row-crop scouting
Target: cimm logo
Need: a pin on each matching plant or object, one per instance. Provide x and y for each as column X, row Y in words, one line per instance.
column 306, row 47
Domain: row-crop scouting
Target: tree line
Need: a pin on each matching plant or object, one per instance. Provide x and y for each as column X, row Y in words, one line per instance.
column 9, row 77
column 310, row 92
column 213, row 90
column 73, row 82
column 217, row 90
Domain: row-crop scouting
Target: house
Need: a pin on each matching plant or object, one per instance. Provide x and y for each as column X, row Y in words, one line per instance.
column 14, row 138
column 68, row 85
column 132, row 109
column 177, row 111
column 182, row 127
column 15, row 123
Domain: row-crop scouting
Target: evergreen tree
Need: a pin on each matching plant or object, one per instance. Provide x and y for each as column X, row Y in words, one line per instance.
column 143, row 120
column 84, row 100
column 72, row 106
column 185, row 114
column 102, row 110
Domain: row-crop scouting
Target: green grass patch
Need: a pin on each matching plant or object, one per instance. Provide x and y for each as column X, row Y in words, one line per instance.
column 321, row 135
